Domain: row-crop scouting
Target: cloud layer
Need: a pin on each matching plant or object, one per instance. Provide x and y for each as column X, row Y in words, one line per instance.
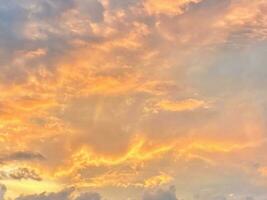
column 124, row 97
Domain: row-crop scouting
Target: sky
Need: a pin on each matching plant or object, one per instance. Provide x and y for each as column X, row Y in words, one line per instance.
column 133, row 100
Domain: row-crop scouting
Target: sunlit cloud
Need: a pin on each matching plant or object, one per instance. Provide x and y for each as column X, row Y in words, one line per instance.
column 168, row 7
column 185, row 105
column 120, row 99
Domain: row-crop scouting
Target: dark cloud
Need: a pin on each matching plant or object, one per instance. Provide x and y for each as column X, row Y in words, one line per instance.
column 62, row 195
column 160, row 194
column 22, row 156
column 66, row 194
column 19, row 174
column 25, row 173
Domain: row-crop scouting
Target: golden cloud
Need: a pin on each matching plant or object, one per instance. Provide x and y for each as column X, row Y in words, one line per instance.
column 184, row 105
column 167, row 7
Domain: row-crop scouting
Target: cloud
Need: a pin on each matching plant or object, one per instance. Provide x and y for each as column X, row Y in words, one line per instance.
column 179, row 106
column 160, row 194
column 158, row 180
column 62, row 195
column 66, row 194
column 77, row 78
column 24, row 173
column 2, row 191
column 210, row 197
column 89, row 196
column 22, row 156
column 169, row 7
column 118, row 4
column 93, row 9
column 20, row 174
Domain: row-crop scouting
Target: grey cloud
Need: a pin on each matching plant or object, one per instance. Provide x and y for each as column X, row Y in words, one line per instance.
column 160, row 194
column 52, row 33
column 66, row 194
column 51, row 9
column 12, row 16
column 62, row 195
column 93, row 9
column 122, row 4
column 47, row 9
column 89, row 196
column 22, row 156
column 2, row 191
column 219, row 198
column 19, row 174
column 25, row 173
column 26, row 156
column 12, row 19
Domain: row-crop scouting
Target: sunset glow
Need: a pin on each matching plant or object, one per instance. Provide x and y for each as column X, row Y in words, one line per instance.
column 133, row 99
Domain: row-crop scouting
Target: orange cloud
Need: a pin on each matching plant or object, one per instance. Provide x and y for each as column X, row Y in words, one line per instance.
column 263, row 171
column 155, row 181
column 167, row 7
column 74, row 88
column 179, row 106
